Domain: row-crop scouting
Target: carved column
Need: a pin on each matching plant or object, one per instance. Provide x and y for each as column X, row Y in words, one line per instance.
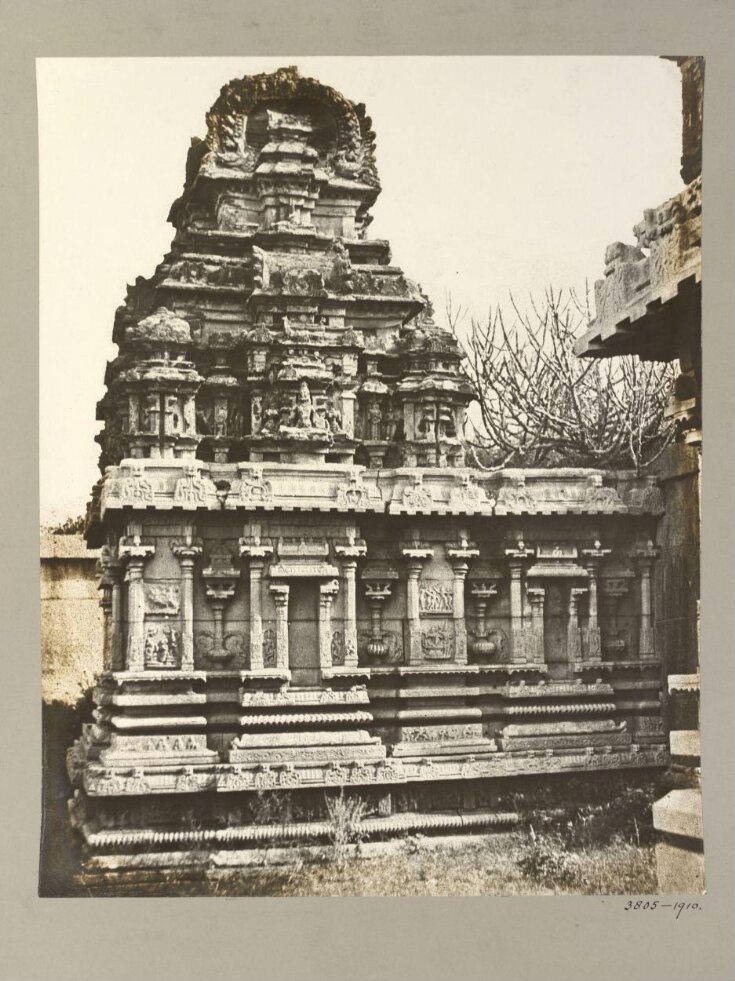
column 593, row 556
column 279, row 592
column 415, row 555
column 460, row 555
column 220, row 579
column 376, row 593
column 574, row 637
column 348, row 412
column 135, row 552
column 349, row 554
column 327, row 591
column 613, row 591
column 645, row 557
column 186, row 551
column 257, row 554
column 482, row 592
column 105, row 586
column 536, row 596
column 517, row 555
column 115, row 572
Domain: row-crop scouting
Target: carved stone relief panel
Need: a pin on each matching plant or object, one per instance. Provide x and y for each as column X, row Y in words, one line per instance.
column 162, row 598
column 437, row 642
column 436, row 598
column 162, row 647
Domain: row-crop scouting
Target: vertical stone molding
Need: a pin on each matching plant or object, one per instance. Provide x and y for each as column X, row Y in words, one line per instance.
column 279, row 592
column 220, row 579
column 460, row 555
column 613, row 591
column 376, row 593
column 257, row 552
column 482, row 592
column 536, row 595
column 134, row 552
column 415, row 554
column 327, row 591
column 115, row 572
column 349, row 554
column 574, row 635
column 592, row 559
column 645, row 556
column 517, row 555
column 105, row 586
column 187, row 551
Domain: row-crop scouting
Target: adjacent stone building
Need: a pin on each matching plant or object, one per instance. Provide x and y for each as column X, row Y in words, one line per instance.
column 304, row 585
column 71, row 618
column 649, row 303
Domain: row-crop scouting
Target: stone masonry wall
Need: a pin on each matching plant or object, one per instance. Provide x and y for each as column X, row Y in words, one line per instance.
column 676, row 586
column 71, row 618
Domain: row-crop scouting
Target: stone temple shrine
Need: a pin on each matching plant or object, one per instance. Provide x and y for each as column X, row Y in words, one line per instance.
column 305, row 585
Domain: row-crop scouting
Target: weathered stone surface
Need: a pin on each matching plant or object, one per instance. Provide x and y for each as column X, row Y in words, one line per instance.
column 300, row 586
column 679, row 871
column 679, row 813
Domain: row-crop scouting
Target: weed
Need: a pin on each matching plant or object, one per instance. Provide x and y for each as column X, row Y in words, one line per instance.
column 547, row 861
column 346, row 815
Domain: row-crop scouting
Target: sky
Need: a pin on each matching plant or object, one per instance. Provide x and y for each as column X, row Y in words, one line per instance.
column 499, row 174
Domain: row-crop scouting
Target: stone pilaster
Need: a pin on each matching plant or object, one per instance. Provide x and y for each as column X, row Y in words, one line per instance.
column 592, row 559
column 574, row 636
column 115, row 571
column 482, row 592
column 415, row 555
column 279, row 592
column 187, row 552
column 257, row 553
column 349, row 554
column 645, row 557
column 376, row 593
column 517, row 555
column 536, row 595
column 460, row 556
column 220, row 578
column 327, row 591
column 134, row 552
column 105, row 587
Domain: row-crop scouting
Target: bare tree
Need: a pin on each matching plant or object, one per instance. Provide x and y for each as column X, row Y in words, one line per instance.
column 540, row 405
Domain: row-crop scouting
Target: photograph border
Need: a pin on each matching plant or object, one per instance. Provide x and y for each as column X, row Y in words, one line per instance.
column 565, row 937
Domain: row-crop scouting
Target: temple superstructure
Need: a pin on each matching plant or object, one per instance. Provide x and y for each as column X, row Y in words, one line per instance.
column 305, row 585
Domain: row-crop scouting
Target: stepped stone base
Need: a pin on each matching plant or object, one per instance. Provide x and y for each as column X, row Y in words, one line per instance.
column 372, row 750
column 458, row 747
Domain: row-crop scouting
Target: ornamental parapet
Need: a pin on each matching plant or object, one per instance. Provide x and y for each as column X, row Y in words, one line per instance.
column 641, row 280
column 192, row 485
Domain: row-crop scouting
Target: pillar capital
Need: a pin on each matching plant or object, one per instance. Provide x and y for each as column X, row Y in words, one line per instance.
column 253, row 550
column 594, row 554
column 415, row 553
column 646, row 554
column 328, row 590
column 483, row 589
column 519, row 552
column 352, row 551
column 461, row 552
column 279, row 591
column 187, row 550
column 377, row 591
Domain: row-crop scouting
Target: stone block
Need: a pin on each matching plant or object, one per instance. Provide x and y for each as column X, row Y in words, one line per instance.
column 679, row 813
column 679, row 871
column 685, row 742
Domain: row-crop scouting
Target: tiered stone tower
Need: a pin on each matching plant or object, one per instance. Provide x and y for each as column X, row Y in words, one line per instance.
column 304, row 585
